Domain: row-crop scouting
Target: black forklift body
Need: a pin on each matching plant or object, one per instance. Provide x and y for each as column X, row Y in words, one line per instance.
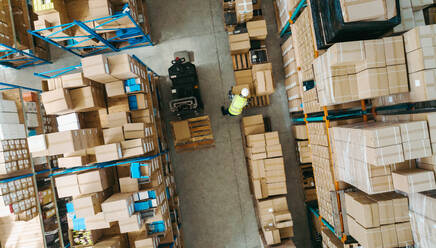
column 185, row 91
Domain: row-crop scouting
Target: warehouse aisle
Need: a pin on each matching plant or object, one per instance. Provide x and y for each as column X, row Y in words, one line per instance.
column 217, row 209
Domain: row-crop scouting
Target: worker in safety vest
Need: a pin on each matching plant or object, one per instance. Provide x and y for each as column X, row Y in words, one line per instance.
column 238, row 104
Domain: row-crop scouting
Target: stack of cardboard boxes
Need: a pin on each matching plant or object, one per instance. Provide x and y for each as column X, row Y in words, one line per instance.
column 356, row 70
column 423, row 218
column 412, row 14
column 367, row 155
column 248, row 50
column 284, row 7
column 18, row 199
column 379, row 220
column 267, row 179
column 292, row 82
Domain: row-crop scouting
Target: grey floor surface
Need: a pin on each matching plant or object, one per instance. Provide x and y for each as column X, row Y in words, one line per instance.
column 217, row 209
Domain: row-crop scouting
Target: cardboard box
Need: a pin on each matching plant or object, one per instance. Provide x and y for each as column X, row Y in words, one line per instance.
column 117, row 119
column 423, row 85
column 417, row 149
column 118, row 104
column 253, row 124
column 374, row 55
column 67, row 185
column 362, row 209
column 129, row 185
column 272, row 236
column 256, row 140
column 244, row 77
column 181, row 131
column 71, row 121
column 132, row 224
column 264, row 83
column 70, row 162
column 239, row 43
column 404, row 234
column 413, row 130
column 244, row 10
column 421, row 59
column 95, row 181
column 370, row 237
column 64, row 142
column 141, row 116
column 113, row 135
column 424, row 203
column 419, row 37
column 389, row 235
column 134, row 130
column 299, row 132
column 37, row 143
column 108, row 152
column 346, row 53
column 137, row 101
column 117, row 207
column 372, row 83
column 87, row 99
column 394, row 50
column 121, row 66
column 353, row 11
column 115, row 89
column 257, row 30
column 97, row 69
column 132, row 148
column 413, row 180
column 74, row 80
column 89, row 205
column 56, row 101
column 398, row 79
column 96, row 222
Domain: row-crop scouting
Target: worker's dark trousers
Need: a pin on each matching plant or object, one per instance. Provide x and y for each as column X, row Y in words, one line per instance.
column 225, row 111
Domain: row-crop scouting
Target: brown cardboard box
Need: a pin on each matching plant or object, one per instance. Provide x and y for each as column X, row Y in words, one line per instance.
column 417, row 149
column 108, row 152
column 239, row 43
column 413, row 130
column 398, row 79
column 113, row 135
column 141, row 101
column 118, row 104
column 56, row 101
column 419, row 37
column 117, row 207
column 64, row 142
column 374, row 55
column 363, row 10
column 404, row 234
column 273, row 151
column 96, row 68
column 299, row 132
column 413, row 180
column 244, row 77
column 141, row 116
column 253, row 124
column 272, row 235
column 115, row 89
column 264, row 83
column 421, row 59
column 74, row 80
column 54, row 83
column 121, row 66
column 95, row 181
column 132, row 148
column 70, row 162
column 385, row 207
column 89, row 205
column 67, row 185
column 99, row 8
column 96, row 222
column 181, row 131
column 87, row 99
column 134, row 130
column 257, row 30
column 372, row 83
column 394, row 50
column 400, row 206
column 423, row 85
column 370, row 237
column 424, row 203
column 237, row 89
column 363, row 210
column 389, row 235
column 129, row 185
column 117, row 119
column 346, row 53
column 132, row 224
column 244, row 10
column 256, row 140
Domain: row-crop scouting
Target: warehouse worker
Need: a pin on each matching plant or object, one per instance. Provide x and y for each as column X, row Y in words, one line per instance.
column 238, row 104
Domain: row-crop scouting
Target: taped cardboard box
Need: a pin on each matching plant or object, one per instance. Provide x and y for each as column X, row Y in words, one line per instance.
column 244, row 77
column 370, row 237
column 374, row 55
column 398, row 79
column 239, row 43
column 132, row 224
column 122, row 67
column 264, row 83
column 117, row 119
column 346, row 53
column 74, row 80
column 113, row 135
column 118, row 104
column 71, row 162
column 89, row 205
column 109, row 152
column 372, row 83
column 404, row 234
column 117, row 207
column 64, row 142
column 56, row 101
column 244, row 10
column 421, row 59
column 128, row 185
column 413, row 180
column 132, row 148
column 95, row 181
column 97, row 69
column 253, row 125
column 87, row 99
column 141, row 116
column 115, row 89
column 394, row 50
column 423, row 85
column 257, row 30
column 417, row 149
column 353, row 11
column 364, row 210
column 67, row 185
column 419, row 37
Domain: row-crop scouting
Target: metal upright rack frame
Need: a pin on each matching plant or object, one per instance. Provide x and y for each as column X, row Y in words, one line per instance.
column 135, row 36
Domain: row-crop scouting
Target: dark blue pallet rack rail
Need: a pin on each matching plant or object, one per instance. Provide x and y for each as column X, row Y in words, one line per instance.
column 300, row 6
column 134, row 36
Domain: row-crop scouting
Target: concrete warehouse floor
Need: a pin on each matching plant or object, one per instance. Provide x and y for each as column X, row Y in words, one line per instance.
column 216, row 205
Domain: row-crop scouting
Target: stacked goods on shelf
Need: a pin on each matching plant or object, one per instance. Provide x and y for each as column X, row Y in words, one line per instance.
column 370, row 155
column 380, row 220
column 267, row 180
column 248, row 49
column 284, row 7
column 291, row 83
column 422, row 217
column 54, row 13
column 305, row 159
column 358, row 70
column 133, row 202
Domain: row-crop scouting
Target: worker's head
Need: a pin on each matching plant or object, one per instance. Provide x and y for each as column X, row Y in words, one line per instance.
column 245, row 92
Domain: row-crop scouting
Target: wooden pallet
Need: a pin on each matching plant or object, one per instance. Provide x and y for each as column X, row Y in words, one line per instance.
column 201, row 135
column 241, row 61
column 258, row 101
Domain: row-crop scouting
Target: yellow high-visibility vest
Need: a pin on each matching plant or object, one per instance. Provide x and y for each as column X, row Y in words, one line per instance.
column 238, row 104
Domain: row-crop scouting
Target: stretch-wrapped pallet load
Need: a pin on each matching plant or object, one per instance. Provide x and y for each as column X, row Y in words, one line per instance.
column 292, row 83
column 422, row 213
column 267, row 179
column 374, row 156
column 380, row 220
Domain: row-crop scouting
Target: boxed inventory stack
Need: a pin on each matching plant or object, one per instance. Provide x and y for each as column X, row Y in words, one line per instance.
column 106, row 118
column 422, row 217
column 292, row 82
column 247, row 34
column 267, row 180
